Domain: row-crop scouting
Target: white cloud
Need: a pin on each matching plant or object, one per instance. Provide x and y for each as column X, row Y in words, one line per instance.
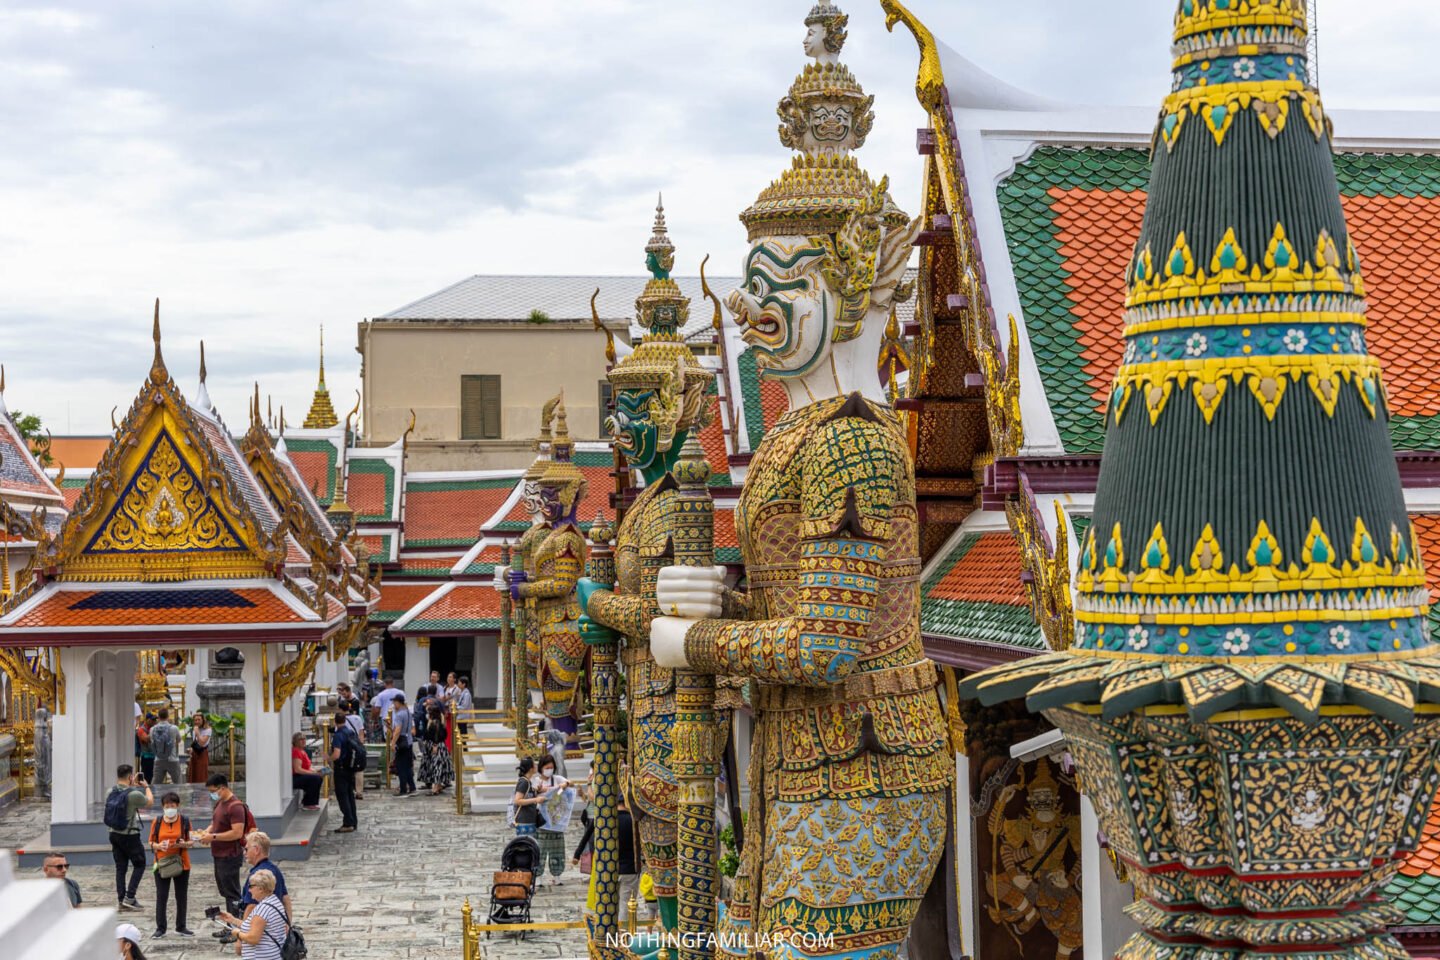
column 264, row 167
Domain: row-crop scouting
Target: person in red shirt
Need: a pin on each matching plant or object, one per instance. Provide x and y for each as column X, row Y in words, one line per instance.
column 302, row 775
column 225, row 838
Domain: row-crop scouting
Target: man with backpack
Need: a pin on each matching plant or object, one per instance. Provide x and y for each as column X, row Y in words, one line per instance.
column 229, row 825
column 123, row 804
column 347, row 760
column 165, row 744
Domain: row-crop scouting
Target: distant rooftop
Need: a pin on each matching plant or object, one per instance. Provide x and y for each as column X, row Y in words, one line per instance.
column 512, row 298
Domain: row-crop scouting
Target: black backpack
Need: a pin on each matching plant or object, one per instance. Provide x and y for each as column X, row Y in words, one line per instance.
column 117, row 809
column 352, row 754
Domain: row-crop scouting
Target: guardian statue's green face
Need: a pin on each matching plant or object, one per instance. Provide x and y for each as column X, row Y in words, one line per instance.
column 649, row 443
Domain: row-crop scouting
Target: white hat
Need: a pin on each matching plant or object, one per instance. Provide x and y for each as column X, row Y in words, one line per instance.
column 128, row 931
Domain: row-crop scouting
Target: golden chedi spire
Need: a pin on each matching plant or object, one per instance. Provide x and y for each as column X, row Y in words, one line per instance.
column 322, row 414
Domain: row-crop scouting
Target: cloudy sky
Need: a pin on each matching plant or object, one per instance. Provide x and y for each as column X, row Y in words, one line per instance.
column 265, row 167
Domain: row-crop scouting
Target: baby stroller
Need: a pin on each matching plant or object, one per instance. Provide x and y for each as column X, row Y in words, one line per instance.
column 514, row 883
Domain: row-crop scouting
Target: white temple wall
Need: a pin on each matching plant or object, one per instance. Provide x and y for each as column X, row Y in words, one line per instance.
column 417, row 667
column 267, row 740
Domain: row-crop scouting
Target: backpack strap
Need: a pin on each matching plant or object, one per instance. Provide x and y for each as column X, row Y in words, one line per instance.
column 154, row 831
column 184, row 827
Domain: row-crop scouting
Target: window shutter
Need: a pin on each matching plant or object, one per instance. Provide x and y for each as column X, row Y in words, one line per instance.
column 480, row 407
column 490, row 405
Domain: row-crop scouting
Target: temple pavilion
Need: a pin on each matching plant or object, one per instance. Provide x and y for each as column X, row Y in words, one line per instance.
column 175, row 543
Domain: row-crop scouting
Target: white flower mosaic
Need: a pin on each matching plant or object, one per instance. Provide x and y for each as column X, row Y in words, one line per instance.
column 1296, row 341
column 1236, row 642
column 1244, row 68
column 1196, row 345
column 1137, row 638
column 1340, row 638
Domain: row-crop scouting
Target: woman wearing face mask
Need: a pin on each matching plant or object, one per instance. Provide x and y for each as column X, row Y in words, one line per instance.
column 170, row 842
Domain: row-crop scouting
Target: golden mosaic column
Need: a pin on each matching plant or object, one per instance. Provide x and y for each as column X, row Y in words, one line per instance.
column 692, row 538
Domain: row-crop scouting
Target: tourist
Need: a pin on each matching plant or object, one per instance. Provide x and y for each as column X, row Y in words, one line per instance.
column 198, row 769
column 170, row 842
column 225, row 838
column 436, row 767
column 452, row 688
column 129, row 936
column 263, row 931
column 554, row 819
column 627, row 865
column 357, row 725
column 56, row 866
column 464, row 703
column 303, row 777
column 257, row 855
column 126, row 799
column 143, row 748
column 165, row 745
column 402, row 746
column 345, row 748
column 384, row 701
column 345, row 698
column 526, row 801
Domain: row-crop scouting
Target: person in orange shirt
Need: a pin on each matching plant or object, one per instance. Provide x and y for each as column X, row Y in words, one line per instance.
column 170, row 842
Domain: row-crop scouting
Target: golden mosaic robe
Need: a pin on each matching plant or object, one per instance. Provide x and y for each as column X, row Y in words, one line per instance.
column 525, row 550
column 559, row 563
column 850, row 763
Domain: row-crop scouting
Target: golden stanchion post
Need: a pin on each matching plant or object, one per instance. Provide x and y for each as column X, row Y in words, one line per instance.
column 467, row 951
column 692, row 539
column 459, row 771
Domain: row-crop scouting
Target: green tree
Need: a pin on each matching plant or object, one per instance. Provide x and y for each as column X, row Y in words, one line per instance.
column 32, row 431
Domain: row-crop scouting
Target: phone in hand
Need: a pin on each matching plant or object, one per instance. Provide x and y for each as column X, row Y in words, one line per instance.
column 212, row 913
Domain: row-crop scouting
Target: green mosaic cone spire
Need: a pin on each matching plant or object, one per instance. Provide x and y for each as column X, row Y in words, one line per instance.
column 1248, row 503
column 1249, row 548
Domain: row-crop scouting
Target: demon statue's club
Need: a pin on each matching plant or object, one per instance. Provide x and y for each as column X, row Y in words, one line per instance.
column 659, row 395
column 849, row 763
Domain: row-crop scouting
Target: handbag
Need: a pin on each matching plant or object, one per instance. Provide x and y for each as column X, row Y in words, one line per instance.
column 586, row 859
column 167, row 868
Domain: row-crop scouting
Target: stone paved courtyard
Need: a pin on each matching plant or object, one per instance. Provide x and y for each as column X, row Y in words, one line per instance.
column 394, row 888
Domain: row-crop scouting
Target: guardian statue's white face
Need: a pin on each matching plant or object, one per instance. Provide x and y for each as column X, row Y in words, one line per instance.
column 815, row 40
column 786, row 308
column 532, row 499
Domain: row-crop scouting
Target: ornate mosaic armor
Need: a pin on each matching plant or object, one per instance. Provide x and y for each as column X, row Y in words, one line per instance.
column 849, row 764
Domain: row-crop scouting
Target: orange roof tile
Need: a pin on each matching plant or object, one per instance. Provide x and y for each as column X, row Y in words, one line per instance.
column 774, row 402
column 1427, row 530
column 725, row 527
column 988, row 572
column 1097, row 231
column 398, row 597
column 1424, row 859
column 314, row 469
column 1398, row 239
column 138, row 608
column 365, row 492
column 451, row 512
column 465, row 603
column 79, row 453
column 712, row 439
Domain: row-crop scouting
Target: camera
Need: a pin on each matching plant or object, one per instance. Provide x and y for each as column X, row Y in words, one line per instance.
column 212, row 913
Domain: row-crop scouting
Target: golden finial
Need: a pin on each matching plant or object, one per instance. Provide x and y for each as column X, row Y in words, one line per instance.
column 255, row 405
column 59, row 473
column 113, row 425
column 269, row 410
column 710, row 295
column 282, row 419
column 2, row 379
column 609, row 337
column 202, row 361
column 157, row 366
column 350, row 417
column 405, row 440
column 930, row 80
column 322, row 354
